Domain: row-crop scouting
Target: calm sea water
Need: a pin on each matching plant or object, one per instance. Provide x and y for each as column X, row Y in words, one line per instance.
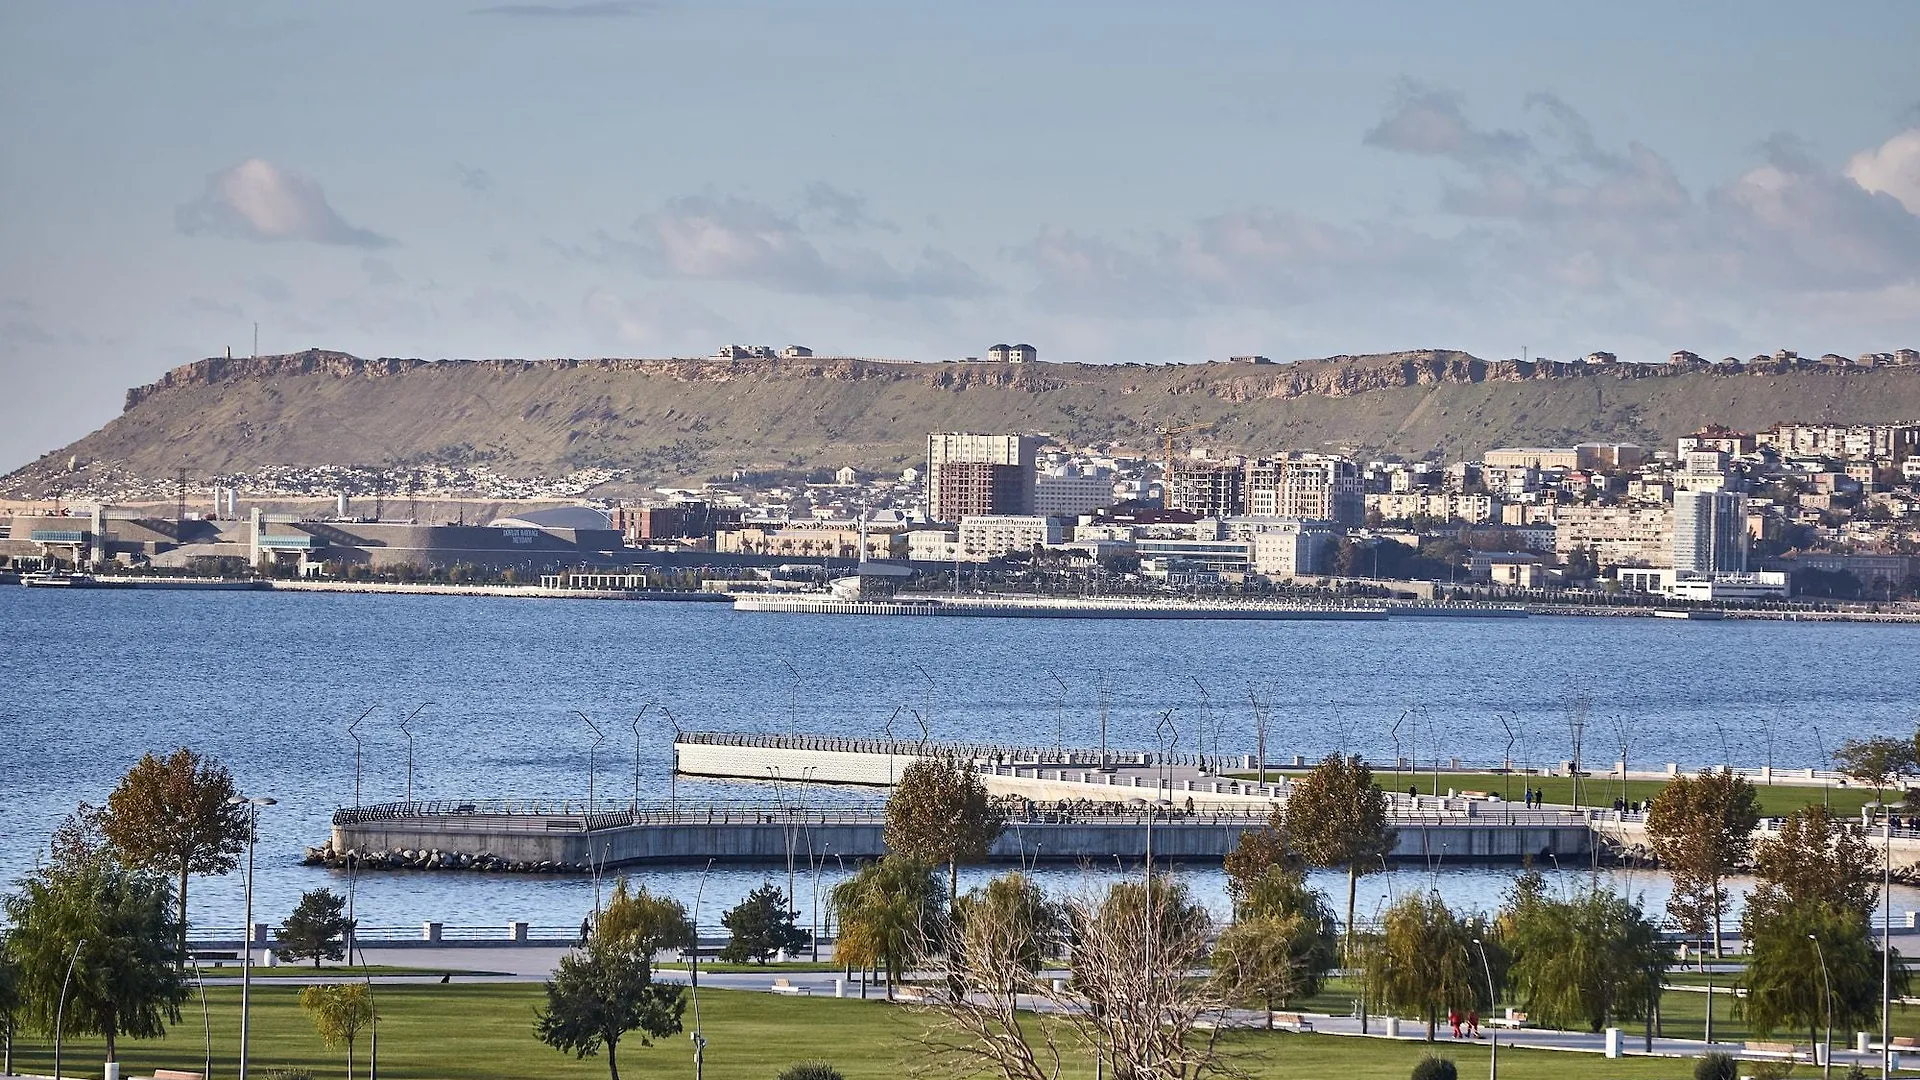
column 268, row 684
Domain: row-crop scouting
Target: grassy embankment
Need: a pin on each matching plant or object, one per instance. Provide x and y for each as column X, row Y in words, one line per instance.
column 458, row 1032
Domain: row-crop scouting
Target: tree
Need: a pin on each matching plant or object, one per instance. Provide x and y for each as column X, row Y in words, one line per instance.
column 992, row 955
column 338, row 1012
column 940, row 812
column 317, row 929
column 762, row 925
column 10, row 1002
column 601, row 994
column 1337, row 817
column 126, row 975
column 1586, row 961
column 1814, row 858
column 173, row 814
column 1257, row 851
column 1132, row 996
column 1422, row 962
column 1786, row 981
column 1282, row 942
column 1877, row 761
column 1701, row 827
column 642, row 921
column 885, row 911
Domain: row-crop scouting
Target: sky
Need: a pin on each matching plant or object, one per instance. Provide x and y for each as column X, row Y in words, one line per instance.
column 1110, row 181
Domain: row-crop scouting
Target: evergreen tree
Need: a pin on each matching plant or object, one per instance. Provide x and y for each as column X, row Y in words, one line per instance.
column 317, row 929
column 762, row 925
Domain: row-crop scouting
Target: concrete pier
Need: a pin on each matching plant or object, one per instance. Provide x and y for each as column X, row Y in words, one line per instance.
column 773, row 835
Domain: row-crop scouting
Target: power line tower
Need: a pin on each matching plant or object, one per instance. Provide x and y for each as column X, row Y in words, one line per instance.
column 413, row 495
column 180, row 500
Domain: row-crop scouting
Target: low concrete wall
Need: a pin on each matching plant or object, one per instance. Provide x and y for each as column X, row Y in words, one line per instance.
column 771, row 842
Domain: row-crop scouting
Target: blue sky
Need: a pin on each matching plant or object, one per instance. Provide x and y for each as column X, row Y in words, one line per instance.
column 1110, row 181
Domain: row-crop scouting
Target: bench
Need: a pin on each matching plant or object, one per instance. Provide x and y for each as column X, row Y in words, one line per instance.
column 1513, row 1019
column 176, row 1074
column 1785, row 1049
column 783, row 985
column 1292, row 1021
column 1905, row 1042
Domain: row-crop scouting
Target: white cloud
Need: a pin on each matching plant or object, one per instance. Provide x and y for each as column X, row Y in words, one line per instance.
column 1551, row 233
column 1430, row 121
column 258, row 200
column 726, row 238
column 1892, row 168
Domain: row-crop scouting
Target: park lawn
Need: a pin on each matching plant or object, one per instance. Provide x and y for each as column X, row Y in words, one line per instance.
column 458, row 1032
column 1776, row 800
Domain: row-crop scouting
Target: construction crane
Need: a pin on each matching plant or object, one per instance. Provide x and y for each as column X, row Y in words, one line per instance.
column 1166, row 444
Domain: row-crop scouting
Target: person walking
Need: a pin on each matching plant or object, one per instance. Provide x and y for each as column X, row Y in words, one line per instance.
column 1473, row 1023
column 1453, row 1018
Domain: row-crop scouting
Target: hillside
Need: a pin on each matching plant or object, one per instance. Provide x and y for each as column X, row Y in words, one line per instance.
column 690, row 419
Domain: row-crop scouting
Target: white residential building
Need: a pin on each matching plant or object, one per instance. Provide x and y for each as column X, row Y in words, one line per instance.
column 991, row 536
column 1709, row 532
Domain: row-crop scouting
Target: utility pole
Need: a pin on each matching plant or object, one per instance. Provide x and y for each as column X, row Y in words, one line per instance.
column 253, row 806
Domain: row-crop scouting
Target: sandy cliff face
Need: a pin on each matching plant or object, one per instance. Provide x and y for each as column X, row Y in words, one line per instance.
column 689, row 419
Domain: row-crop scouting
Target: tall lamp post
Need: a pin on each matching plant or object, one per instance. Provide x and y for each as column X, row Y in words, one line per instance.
column 636, row 754
column 1493, row 1001
column 693, row 969
column 1886, row 953
column 404, row 730
column 351, row 734
column 252, row 806
column 1826, row 983
column 60, row 1011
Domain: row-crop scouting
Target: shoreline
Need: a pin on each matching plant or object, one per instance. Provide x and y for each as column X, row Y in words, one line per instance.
column 1227, row 608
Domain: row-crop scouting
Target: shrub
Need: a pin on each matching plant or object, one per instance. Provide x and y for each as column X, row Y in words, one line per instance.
column 1716, row 1066
column 289, row 1072
column 810, row 1070
column 1435, row 1068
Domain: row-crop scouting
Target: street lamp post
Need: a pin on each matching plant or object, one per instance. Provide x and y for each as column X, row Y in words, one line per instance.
column 351, row 734
column 1493, row 1002
column 405, row 730
column 1886, row 953
column 636, row 754
column 60, row 1011
column 1826, row 983
column 693, row 969
column 253, row 806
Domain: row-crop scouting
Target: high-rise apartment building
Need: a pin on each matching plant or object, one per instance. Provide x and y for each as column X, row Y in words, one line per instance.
column 1307, row 486
column 1709, row 532
column 970, row 474
column 1214, row 489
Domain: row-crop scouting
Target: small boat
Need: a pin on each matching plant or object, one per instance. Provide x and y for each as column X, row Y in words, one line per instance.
column 60, row 580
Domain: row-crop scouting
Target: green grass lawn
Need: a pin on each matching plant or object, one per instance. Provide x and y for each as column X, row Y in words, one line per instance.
column 464, row 1031
column 1776, row 800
